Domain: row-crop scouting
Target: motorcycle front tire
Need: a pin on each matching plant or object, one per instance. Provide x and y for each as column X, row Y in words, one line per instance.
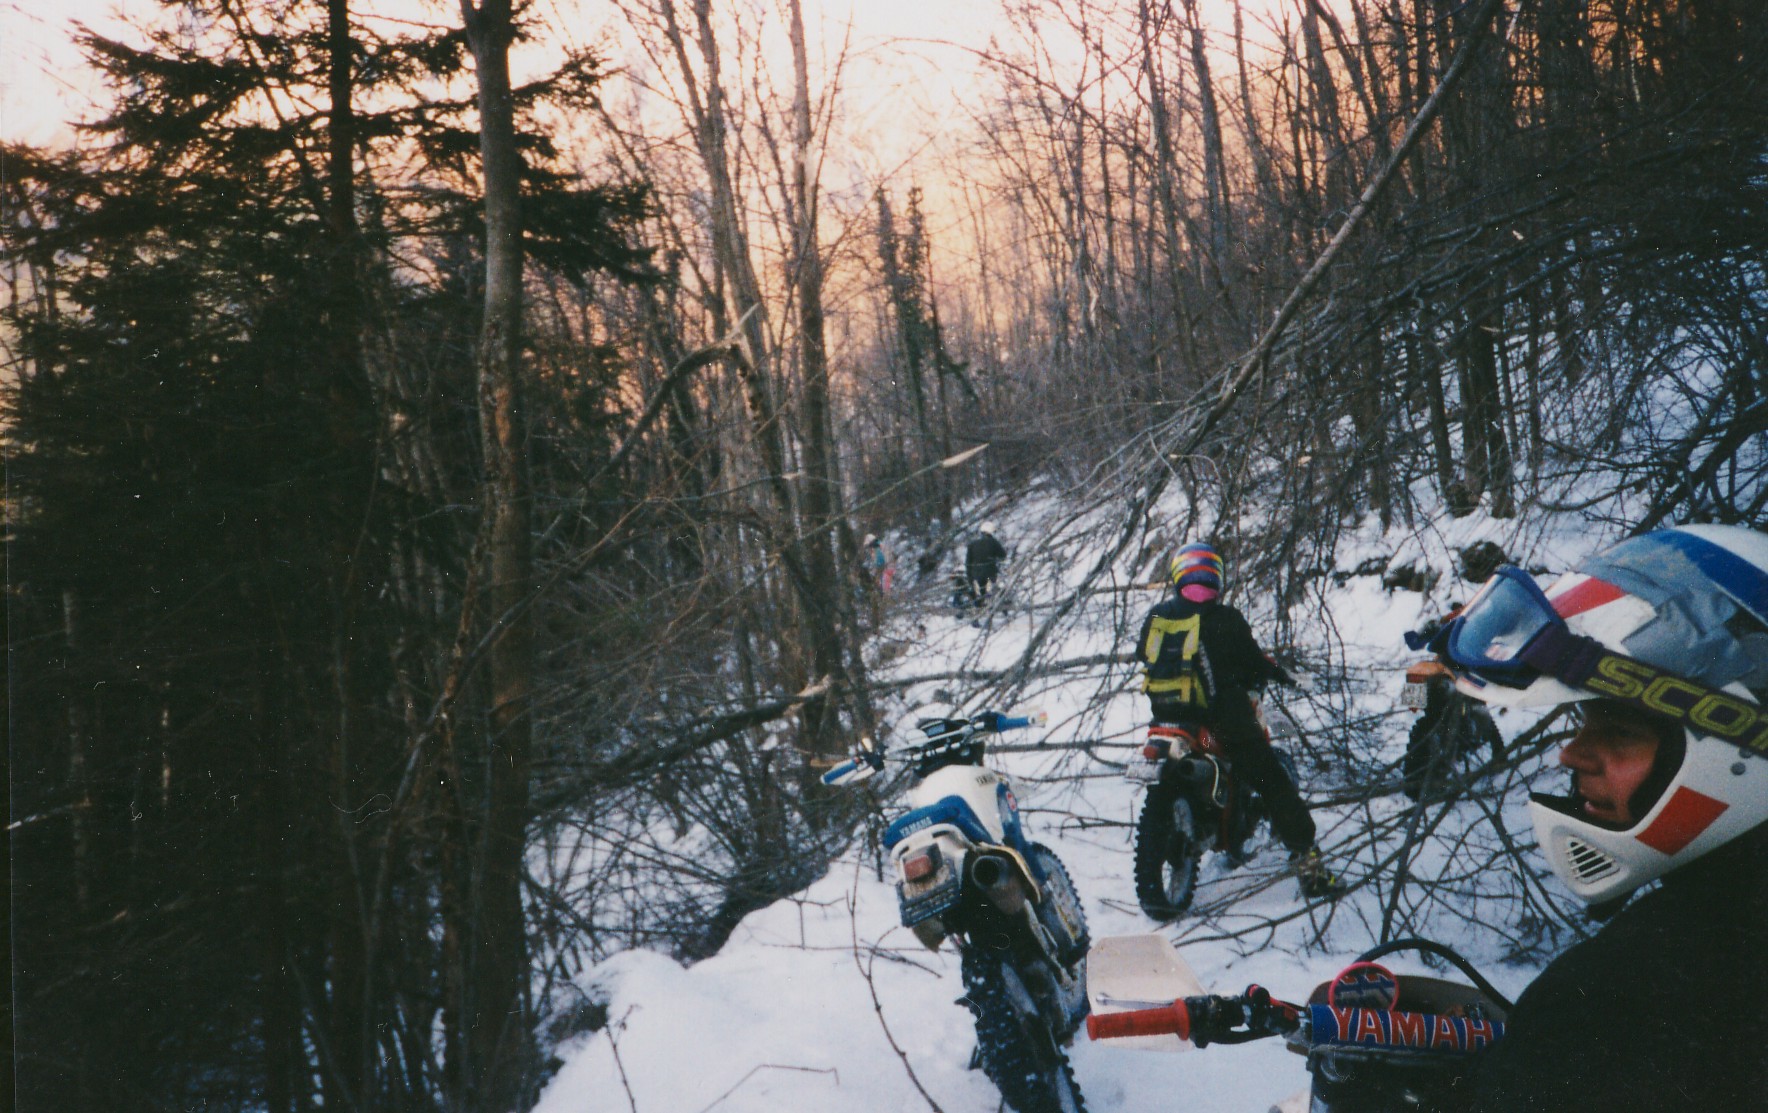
column 1013, row 1040
column 1167, row 853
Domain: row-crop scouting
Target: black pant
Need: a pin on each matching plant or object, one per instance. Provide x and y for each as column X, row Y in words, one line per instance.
column 1231, row 718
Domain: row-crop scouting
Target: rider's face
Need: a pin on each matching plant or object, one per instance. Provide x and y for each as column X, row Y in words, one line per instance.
column 1610, row 757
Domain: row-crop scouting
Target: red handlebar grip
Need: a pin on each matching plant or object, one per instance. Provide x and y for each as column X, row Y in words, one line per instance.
column 1167, row 1020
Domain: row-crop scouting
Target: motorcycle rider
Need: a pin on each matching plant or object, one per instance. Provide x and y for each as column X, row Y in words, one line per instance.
column 1200, row 663
column 982, row 562
column 1660, row 644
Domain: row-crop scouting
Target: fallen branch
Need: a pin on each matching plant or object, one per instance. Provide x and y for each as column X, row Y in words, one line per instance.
column 865, row 971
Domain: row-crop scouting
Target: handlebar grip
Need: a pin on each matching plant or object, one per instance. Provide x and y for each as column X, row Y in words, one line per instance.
column 1011, row 722
column 844, row 769
column 1166, row 1020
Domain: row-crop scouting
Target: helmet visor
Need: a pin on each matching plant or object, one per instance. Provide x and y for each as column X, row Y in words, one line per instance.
column 1489, row 638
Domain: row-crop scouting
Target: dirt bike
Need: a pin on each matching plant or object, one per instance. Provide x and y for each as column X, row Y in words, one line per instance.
column 1450, row 726
column 1194, row 804
column 968, row 601
column 966, row 871
column 1376, row 1042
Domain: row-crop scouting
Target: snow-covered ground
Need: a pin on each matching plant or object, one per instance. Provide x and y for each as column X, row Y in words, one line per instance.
column 824, row 1002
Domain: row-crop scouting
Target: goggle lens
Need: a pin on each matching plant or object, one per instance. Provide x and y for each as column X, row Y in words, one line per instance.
column 1490, row 635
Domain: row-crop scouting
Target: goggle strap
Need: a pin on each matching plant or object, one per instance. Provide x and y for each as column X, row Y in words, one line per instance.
column 1564, row 655
column 1584, row 663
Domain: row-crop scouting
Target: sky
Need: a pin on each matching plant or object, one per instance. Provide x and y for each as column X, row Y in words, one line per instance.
column 42, row 80
column 44, row 85
column 924, row 44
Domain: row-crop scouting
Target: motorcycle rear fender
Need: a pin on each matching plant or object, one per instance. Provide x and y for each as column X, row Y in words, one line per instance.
column 951, row 813
column 955, row 848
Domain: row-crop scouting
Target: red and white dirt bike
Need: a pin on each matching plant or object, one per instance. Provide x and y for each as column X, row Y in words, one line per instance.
column 1375, row 1042
column 1450, row 727
column 1195, row 804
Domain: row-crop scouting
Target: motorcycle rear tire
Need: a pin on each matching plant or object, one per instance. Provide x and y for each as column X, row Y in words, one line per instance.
column 1167, row 853
column 1013, row 1040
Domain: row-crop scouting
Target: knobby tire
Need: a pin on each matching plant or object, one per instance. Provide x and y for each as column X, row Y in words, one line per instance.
column 1166, row 853
column 1018, row 1052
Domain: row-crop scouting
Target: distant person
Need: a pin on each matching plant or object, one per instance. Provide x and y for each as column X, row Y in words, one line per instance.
column 880, row 569
column 1202, row 664
column 982, row 563
column 880, row 563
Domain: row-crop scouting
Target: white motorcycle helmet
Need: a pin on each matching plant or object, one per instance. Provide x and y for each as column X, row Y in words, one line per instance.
column 1673, row 624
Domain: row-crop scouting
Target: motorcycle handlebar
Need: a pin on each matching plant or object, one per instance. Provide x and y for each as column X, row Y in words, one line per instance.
column 1253, row 1015
column 1165, row 1020
column 1256, row 1015
column 866, row 762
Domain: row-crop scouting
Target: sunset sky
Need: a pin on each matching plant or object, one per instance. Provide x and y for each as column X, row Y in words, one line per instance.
column 896, row 45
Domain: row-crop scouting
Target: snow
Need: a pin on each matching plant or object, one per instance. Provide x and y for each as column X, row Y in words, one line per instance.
column 784, row 1016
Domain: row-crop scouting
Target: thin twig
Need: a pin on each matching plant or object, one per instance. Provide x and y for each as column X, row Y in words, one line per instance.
column 865, row 971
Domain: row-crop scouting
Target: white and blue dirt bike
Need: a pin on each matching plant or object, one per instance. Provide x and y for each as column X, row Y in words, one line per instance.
column 966, row 870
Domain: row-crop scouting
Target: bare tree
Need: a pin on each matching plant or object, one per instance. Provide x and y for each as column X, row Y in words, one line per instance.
column 490, row 928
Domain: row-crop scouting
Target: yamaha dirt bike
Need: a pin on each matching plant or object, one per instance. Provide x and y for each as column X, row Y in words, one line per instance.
column 1376, row 1042
column 966, row 870
column 1450, row 727
column 1194, row 804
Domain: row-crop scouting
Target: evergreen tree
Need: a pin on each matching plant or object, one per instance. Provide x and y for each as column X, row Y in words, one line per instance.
column 241, row 438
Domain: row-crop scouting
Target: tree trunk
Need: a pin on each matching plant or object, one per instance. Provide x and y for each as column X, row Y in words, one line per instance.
column 822, row 498
column 1425, row 370
column 497, row 1042
column 1487, row 448
column 1165, row 162
column 1215, row 178
column 351, row 960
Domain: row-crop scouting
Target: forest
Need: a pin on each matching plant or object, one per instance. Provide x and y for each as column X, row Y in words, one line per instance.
column 440, row 437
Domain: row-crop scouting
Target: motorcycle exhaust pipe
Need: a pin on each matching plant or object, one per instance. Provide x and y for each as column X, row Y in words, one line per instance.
column 999, row 882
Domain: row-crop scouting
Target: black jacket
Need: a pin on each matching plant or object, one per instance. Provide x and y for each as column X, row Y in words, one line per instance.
column 983, row 556
column 1225, row 654
column 1665, row 1009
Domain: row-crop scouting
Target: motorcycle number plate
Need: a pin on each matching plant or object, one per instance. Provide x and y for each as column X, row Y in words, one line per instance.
column 1415, row 695
column 930, row 895
column 1143, row 770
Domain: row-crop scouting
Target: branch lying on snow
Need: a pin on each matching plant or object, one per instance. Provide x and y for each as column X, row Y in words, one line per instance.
column 865, row 971
column 619, row 1065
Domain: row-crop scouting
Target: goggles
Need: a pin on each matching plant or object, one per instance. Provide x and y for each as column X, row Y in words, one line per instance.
column 1510, row 635
column 1493, row 635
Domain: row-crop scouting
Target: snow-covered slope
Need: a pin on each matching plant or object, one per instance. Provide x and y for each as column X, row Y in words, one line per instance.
column 823, row 1002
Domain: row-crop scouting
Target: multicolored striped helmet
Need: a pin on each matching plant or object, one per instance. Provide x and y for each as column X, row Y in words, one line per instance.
column 1197, row 563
